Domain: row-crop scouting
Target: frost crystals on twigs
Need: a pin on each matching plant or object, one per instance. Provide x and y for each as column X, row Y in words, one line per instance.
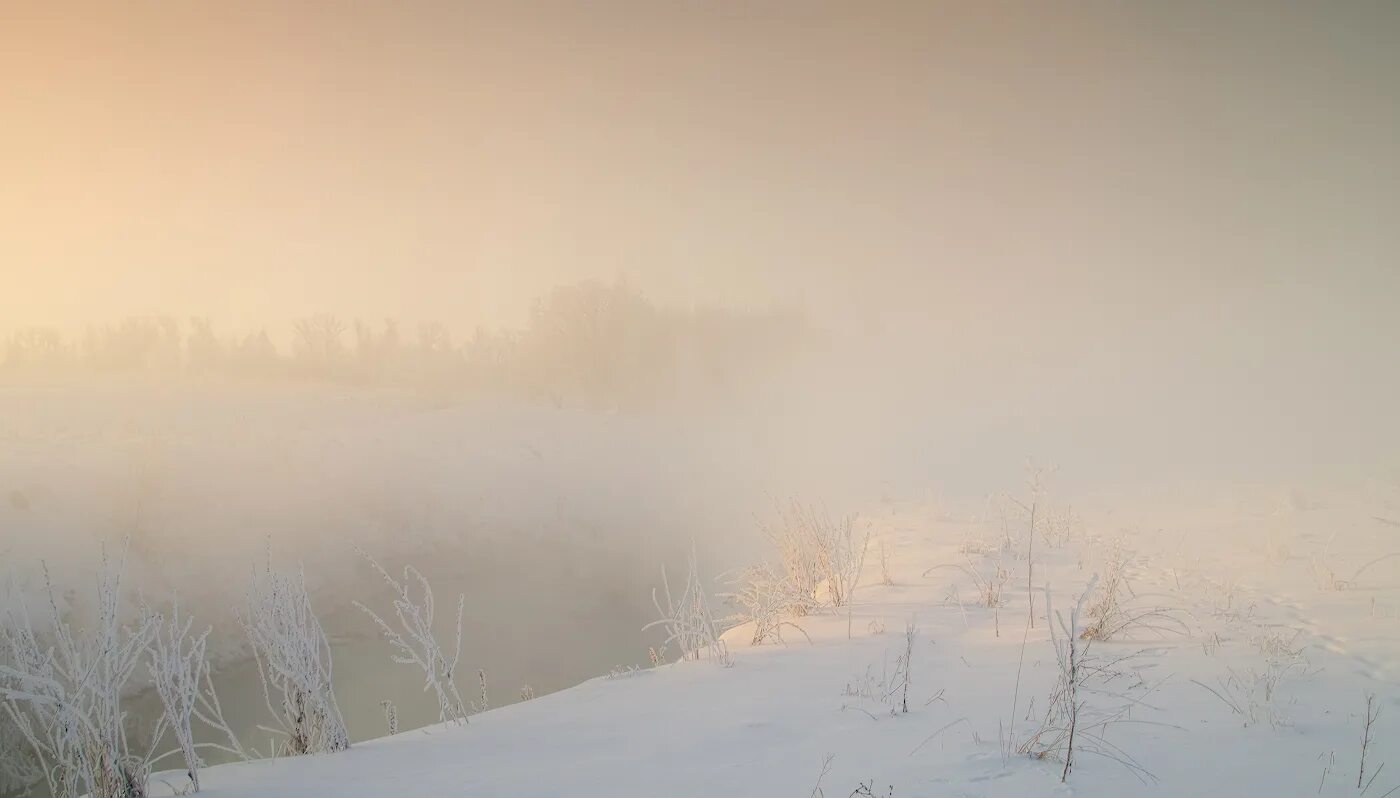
column 180, row 673
column 414, row 642
column 687, row 620
column 64, row 695
column 293, row 657
column 1073, row 724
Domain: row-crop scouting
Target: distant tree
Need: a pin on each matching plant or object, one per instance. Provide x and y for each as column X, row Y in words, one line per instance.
column 593, row 341
column 134, row 343
column 433, row 339
column 377, row 355
column 36, row 346
column 488, row 357
column 255, row 355
column 203, row 351
column 318, row 344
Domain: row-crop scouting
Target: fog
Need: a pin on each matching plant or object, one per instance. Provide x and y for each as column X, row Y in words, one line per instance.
column 539, row 297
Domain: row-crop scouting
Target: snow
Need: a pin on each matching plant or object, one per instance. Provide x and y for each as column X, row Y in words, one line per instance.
column 1233, row 571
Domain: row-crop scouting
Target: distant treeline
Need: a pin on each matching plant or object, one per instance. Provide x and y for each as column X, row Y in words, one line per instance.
column 590, row 344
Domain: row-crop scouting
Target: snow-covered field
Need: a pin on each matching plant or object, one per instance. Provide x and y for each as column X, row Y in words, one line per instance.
column 1254, row 630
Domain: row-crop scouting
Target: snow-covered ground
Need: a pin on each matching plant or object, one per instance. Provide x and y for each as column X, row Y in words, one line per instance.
column 1263, row 600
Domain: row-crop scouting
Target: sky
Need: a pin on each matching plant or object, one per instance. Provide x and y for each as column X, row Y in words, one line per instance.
column 1037, row 172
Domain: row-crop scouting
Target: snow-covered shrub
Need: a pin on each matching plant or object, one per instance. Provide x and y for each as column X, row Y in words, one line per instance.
column 973, row 544
column 1074, row 723
column 1226, row 598
column 765, row 598
column 789, row 536
column 622, row 672
column 687, row 620
column 181, row 676
column 1254, row 694
column 1111, row 613
column 841, row 555
column 1058, row 526
column 1277, row 645
column 175, row 672
column 63, row 689
column 871, row 687
column 818, row 551
column 1106, row 614
column 293, row 657
column 414, row 643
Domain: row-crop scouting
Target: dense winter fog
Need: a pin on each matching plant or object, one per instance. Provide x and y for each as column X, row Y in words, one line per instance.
column 539, row 301
column 549, row 473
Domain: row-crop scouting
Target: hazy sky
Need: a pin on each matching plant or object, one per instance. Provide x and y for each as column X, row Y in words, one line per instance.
column 1021, row 171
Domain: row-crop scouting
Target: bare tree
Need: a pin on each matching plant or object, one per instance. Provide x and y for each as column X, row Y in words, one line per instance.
column 319, row 342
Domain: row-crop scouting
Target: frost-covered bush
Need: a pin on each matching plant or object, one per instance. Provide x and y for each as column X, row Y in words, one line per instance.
column 293, row 658
column 819, row 562
column 766, row 597
column 1090, row 695
column 989, row 579
column 180, row 672
column 817, row 551
column 1255, row 693
column 687, row 619
column 62, row 689
column 1058, row 526
column 414, row 643
column 1112, row 612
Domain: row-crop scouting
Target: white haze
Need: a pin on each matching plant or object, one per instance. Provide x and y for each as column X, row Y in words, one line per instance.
column 885, row 256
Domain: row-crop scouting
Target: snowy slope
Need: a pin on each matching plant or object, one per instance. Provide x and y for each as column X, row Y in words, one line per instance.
column 767, row 725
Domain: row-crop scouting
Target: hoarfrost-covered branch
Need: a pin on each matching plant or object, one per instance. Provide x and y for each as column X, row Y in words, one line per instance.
column 293, row 657
column 415, row 643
